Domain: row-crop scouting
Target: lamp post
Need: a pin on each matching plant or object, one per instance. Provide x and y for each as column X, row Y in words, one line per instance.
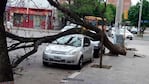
column 140, row 14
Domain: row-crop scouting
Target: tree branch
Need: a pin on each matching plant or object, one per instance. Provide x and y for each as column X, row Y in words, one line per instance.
column 113, row 48
column 19, row 60
column 23, row 46
column 48, row 39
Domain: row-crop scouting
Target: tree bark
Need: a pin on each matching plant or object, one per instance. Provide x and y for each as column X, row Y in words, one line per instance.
column 6, row 74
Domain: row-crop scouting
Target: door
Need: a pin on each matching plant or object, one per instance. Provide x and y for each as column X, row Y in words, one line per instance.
column 37, row 21
column 87, row 48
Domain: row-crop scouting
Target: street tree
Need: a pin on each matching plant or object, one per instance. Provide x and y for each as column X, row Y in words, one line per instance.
column 133, row 14
column 6, row 74
column 83, row 7
column 110, row 13
column 93, row 7
column 35, row 42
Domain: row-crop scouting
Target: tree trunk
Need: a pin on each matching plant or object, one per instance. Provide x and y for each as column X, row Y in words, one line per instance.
column 6, row 74
column 5, row 67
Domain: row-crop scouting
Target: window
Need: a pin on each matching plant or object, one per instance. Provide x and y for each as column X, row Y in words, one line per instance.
column 86, row 41
column 69, row 40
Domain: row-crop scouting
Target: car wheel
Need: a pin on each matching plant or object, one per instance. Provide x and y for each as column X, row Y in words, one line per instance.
column 91, row 59
column 131, row 38
column 80, row 63
column 96, row 53
column 45, row 63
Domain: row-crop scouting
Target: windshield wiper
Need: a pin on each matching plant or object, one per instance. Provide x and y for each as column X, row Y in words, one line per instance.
column 68, row 40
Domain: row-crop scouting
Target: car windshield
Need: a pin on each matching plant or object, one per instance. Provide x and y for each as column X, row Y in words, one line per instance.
column 69, row 40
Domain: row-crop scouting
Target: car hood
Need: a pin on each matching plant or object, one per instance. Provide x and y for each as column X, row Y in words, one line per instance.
column 61, row 48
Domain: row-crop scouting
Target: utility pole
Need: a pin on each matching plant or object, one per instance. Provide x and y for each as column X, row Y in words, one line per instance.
column 140, row 14
column 118, row 20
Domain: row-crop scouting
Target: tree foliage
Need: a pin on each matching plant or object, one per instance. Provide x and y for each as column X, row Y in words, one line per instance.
column 84, row 7
column 94, row 8
column 133, row 14
column 110, row 13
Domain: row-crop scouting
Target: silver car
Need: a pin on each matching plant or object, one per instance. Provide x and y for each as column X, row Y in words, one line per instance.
column 71, row 50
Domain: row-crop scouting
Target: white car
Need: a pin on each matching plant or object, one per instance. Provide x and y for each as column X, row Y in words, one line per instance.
column 70, row 50
column 134, row 30
column 124, row 32
column 70, row 26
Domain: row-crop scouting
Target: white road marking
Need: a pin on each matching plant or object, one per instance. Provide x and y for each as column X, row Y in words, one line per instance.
column 71, row 76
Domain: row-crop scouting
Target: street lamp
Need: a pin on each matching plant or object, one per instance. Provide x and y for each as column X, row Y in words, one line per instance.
column 140, row 14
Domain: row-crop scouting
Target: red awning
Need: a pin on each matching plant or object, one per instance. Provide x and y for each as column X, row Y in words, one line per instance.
column 31, row 11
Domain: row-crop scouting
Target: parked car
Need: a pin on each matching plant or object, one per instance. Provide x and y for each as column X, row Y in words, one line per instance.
column 95, row 43
column 70, row 26
column 124, row 32
column 97, row 49
column 134, row 30
column 70, row 50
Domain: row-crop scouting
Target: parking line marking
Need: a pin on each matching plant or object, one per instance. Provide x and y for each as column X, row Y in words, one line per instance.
column 74, row 75
column 70, row 77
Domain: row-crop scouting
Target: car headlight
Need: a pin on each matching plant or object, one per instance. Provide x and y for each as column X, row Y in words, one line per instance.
column 47, row 50
column 73, row 53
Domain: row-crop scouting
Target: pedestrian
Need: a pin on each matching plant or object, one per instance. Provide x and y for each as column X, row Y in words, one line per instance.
column 8, row 26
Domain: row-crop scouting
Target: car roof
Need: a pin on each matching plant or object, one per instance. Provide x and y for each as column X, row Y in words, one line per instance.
column 79, row 35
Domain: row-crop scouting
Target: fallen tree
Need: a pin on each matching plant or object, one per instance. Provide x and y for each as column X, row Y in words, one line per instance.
column 35, row 42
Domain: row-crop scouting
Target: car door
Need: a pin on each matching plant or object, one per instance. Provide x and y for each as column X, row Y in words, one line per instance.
column 87, row 48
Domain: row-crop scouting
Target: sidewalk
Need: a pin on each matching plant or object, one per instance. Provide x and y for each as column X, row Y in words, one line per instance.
column 125, row 69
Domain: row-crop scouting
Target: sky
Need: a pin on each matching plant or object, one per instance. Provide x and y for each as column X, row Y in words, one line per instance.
column 32, row 3
column 134, row 1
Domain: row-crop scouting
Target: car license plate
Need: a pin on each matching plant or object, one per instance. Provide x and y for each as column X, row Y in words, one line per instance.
column 57, row 57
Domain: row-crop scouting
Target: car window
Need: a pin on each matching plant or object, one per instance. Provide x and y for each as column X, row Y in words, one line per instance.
column 86, row 40
column 69, row 40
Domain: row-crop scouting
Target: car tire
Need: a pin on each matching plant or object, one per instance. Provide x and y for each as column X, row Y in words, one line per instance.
column 131, row 38
column 96, row 53
column 80, row 63
column 91, row 59
column 45, row 63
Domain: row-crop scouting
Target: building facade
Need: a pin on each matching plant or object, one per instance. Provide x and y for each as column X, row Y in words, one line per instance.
column 30, row 17
column 126, row 6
